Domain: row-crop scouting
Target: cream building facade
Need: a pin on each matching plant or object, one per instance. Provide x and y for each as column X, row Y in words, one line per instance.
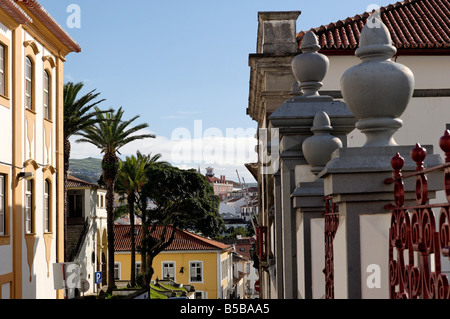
column 33, row 48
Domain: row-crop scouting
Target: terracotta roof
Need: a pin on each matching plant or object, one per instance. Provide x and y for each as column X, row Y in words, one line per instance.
column 184, row 240
column 49, row 22
column 73, row 182
column 413, row 24
column 15, row 11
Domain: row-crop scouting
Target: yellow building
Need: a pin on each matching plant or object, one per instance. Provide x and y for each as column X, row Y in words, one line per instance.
column 32, row 52
column 191, row 260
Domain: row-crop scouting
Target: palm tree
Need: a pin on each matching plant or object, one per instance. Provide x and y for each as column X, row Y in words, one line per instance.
column 79, row 113
column 110, row 136
column 129, row 182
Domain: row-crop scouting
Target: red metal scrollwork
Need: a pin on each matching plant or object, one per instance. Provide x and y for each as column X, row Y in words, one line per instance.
column 331, row 225
column 417, row 243
column 261, row 242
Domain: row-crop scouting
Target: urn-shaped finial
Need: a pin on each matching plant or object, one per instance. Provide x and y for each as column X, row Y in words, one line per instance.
column 310, row 67
column 318, row 148
column 378, row 90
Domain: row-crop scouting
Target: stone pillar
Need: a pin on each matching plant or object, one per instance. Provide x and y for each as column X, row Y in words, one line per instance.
column 278, row 242
column 293, row 121
column 377, row 92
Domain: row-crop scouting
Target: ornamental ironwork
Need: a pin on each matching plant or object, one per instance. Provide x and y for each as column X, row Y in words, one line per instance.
column 261, row 242
column 331, row 216
column 418, row 241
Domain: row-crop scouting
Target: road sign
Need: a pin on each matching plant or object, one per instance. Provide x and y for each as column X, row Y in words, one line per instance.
column 98, row 277
column 66, row 275
column 84, row 285
column 257, row 287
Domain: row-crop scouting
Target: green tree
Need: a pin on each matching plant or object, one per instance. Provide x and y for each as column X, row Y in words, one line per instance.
column 150, row 161
column 110, row 136
column 79, row 114
column 183, row 199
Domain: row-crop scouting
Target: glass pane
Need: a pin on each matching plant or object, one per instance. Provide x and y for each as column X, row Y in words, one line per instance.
column 28, row 68
column 46, row 80
column 2, row 83
column 2, row 205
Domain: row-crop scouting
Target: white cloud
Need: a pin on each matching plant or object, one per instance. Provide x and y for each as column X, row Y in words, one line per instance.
column 225, row 154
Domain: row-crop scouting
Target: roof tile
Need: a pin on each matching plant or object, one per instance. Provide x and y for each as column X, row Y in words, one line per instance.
column 183, row 240
column 423, row 24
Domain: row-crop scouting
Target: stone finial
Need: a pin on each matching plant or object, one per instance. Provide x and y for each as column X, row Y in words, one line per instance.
column 318, row 148
column 310, row 67
column 378, row 90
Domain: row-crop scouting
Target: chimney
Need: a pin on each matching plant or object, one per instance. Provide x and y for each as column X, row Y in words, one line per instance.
column 277, row 32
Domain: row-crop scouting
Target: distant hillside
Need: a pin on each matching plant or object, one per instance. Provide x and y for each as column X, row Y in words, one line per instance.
column 87, row 169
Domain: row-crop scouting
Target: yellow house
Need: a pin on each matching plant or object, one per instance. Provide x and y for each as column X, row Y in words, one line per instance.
column 191, row 260
column 33, row 48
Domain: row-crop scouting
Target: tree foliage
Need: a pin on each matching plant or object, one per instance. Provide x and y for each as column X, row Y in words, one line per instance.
column 110, row 136
column 182, row 199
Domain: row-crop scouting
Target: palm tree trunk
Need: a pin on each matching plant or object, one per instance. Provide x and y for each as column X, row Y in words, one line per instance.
column 67, row 148
column 110, row 231
column 110, row 170
column 144, row 236
column 131, row 198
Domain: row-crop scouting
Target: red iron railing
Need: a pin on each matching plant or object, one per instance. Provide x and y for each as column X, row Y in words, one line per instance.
column 331, row 216
column 417, row 240
column 261, row 242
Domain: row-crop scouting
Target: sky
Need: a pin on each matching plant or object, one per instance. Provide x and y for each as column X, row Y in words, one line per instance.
column 182, row 66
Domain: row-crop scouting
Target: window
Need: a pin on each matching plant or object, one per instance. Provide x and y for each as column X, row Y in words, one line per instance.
column 29, row 207
column 46, row 96
column 75, row 205
column 168, row 270
column 28, row 83
column 201, row 295
column 137, row 268
column 46, row 207
column 224, row 268
column 196, row 271
column 2, row 206
column 2, row 70
column 117, row 271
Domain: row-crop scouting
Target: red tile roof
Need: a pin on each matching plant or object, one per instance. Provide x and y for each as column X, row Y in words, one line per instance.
column 73, row 182
column 413, row 24
column 49, row 22
column 184, row 240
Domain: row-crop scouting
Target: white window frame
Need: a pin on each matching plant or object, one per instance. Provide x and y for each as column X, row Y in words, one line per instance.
column 29, row 206
column 203, row 294
column 117, row 267
column 191, row 275
column 46, row 85
column 2, row 69
column 166, row 262
column 2, row 206
column 137, row 268
column 28, row 94
column 47, row 227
